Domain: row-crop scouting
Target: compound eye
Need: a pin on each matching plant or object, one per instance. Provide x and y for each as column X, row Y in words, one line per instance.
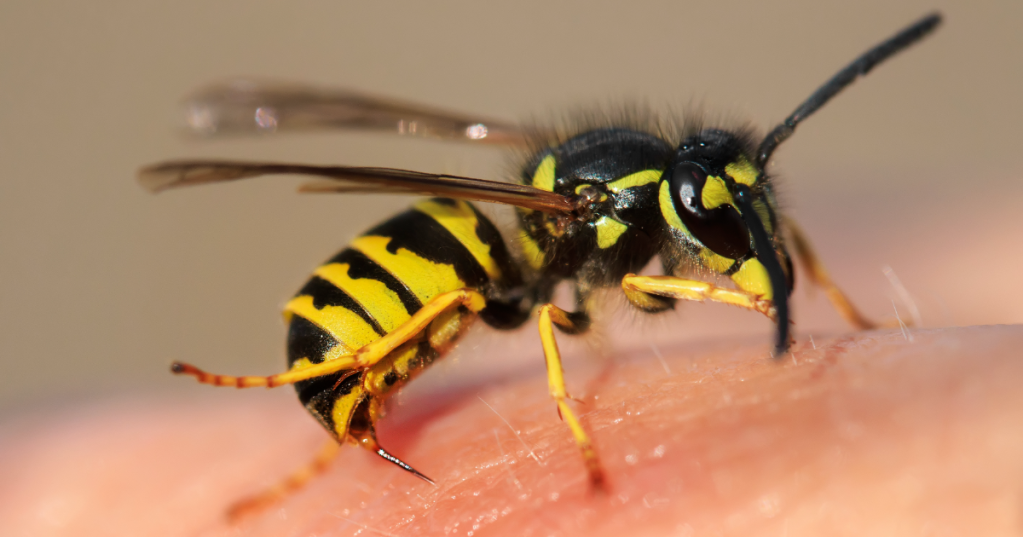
column 720, row 228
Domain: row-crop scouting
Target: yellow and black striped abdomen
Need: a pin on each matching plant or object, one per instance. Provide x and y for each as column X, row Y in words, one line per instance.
column 370, row 288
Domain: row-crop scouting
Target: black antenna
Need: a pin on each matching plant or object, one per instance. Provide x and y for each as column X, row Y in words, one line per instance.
column 764, row 248
column 843, row 78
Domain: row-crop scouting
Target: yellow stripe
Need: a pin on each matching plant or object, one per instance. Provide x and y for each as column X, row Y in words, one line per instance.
column 402, row 362
column 344, row 407
column 644, row 177
column 715, row 262
column 742, row 171
column 608, row 231
column 544, row 176
column 715, row 193
column 579, row 190
column 348, row 328
column 381, row 303
column 461, row 221
column 531, row 250
column 668, row 211
column 765, row 216
column 752, row 277
column 423, row 277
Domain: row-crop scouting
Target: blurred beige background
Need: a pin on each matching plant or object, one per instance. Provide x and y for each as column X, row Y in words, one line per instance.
column 102, row 284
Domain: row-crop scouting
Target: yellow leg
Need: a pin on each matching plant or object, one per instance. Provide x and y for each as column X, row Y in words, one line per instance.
column 819, row 276
column 549, row 316
column 639, row 288
column 292, row 483
column 363, row 358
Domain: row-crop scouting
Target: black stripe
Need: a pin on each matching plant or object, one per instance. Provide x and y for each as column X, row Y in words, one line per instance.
column 420, row 234
column 362, row 267
column 306, row 340
column 318, row 395
column 326, row 294
column 738, row 264
column 489, row 235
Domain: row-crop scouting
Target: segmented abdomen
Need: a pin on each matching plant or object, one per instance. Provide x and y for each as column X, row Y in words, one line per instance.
column 376, row 284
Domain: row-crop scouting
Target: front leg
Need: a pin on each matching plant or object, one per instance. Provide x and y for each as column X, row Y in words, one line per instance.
column 649, row 293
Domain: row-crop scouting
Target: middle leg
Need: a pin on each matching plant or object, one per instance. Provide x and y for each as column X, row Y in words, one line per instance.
column 572, row 323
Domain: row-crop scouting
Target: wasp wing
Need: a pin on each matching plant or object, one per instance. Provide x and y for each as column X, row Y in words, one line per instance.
column 245, row 106
column 174, row 174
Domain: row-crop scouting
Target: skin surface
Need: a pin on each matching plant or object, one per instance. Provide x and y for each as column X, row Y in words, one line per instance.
column 874, row 433
column 122, row 278
column 880, row 433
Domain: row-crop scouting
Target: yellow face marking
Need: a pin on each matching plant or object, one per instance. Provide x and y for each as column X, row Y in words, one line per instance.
column 752, row 278
column 742, row 171
column 461, row 221
column 347, row 327
column 608, row 231
column 765, row 216
column 423, row 277
column 644, row 177
column 531, row 250
column 380, row 302
column 344, row 407
column 544, row 176
column 668, row 210
column 715, row 262
column 715, row 193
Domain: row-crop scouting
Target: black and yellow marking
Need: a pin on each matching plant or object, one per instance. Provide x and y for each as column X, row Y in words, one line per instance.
column 373, row 288
column 593, row 209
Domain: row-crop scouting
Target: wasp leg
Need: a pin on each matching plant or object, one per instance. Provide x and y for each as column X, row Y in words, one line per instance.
column 819, row 276
column 287, row 486
column 365, row 357
column 646, row 293
column 551, row 315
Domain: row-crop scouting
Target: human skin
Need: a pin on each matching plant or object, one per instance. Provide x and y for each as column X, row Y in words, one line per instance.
column 875, row 433
column 892, row 432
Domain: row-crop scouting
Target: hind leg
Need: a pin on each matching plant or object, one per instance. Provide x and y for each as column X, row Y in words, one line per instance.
column 287, row 486
column 365, row 357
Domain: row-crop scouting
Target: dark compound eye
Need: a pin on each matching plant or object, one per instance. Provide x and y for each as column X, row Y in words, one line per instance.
column 721, row 229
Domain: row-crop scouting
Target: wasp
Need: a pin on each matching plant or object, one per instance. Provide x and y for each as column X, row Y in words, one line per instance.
column 594, row 207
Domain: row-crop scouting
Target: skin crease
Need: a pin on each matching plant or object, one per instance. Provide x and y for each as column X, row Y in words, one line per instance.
column 874, row 433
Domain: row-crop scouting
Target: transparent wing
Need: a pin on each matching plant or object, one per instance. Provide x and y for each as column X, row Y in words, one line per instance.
column 244, row 106
column 174, row 174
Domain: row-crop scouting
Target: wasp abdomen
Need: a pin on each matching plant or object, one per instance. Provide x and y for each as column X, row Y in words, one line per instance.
column 375, row 285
